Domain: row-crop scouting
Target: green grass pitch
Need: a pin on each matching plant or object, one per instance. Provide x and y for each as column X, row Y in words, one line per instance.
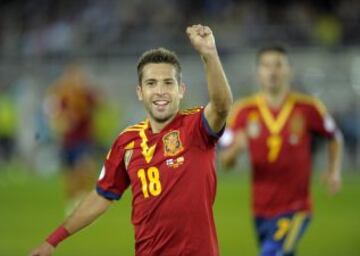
column 31, row 207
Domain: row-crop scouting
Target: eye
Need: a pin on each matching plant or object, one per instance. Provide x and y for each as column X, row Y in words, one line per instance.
column 150, row 83
column 169, row 82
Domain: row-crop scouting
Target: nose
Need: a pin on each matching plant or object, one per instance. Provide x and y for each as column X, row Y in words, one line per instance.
column 272, row 69
column 160, row 89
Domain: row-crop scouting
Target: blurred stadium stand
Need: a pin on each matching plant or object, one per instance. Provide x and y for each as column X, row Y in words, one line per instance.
column 38, row 38
column 88, row 27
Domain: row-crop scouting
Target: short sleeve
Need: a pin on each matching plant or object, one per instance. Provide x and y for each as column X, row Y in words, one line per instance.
column 237, row 120
column 320, row 121
column 202, row 131
column 113, row 179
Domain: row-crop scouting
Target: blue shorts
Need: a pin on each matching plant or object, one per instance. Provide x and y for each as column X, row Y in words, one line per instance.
column 279, row 236
column 71, row 156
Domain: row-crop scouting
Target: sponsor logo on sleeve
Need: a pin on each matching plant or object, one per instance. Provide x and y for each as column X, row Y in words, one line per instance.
column 297, row 127
column 227, row 138
column 102, row 173
column 329, row 124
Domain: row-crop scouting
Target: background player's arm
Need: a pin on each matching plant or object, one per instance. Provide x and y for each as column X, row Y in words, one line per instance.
column 321, row 122
column 230, row 153
column 333, row 174
column 220, row 97
column 89, row 210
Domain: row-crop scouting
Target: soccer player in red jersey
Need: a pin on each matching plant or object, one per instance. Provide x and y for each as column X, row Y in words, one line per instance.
column 71, row 105
column 275, row 126
column 173, row 190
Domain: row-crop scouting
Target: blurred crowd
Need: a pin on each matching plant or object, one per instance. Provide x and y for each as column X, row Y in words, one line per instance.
column 30, row 31
column 44, row 27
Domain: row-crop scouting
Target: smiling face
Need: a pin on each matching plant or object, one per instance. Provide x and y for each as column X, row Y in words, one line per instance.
column 273, row 71
column 160, row 91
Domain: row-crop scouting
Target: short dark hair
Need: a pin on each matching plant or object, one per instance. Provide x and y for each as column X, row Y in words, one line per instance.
column 159, row 55
column 271, row 48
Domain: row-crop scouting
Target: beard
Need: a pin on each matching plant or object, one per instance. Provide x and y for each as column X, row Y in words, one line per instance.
column 273, row 87
column 160, row 117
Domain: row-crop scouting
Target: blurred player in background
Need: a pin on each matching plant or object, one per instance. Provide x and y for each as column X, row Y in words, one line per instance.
column 173, row 192
column 275, row 126
column 71, row 106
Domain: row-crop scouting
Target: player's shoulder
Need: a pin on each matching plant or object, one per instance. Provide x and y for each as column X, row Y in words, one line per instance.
column 243, row 104
column 187, row 116
column 303, row 97
column 246, row 102
column 309, row 101
column 191, row 111
column 130, row 133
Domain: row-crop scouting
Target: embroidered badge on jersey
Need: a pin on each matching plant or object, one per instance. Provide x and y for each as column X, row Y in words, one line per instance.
column 175, row 162
column 297, row 128
column 172, row 143
column 253, row 126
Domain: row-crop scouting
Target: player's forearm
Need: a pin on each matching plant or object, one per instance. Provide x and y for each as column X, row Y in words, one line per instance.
column 228, row 157
column 88, row 211
column 230, row 154
column 232, row 145
column 335, row 151
column 220, row 96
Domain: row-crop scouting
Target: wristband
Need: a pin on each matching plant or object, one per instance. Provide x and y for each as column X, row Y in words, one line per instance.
column 57, row 236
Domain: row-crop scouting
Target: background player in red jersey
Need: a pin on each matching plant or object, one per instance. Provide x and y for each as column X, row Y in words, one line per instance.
column 72, row 104
column 275, row 126
column 173, row 192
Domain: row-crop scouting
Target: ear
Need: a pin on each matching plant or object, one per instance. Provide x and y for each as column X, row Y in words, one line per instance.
column 139, row 92
column 182, row 89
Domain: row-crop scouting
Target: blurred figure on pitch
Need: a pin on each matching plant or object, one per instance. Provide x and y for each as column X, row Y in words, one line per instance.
column 71, row 104
column 8, row 126
column 275, row 126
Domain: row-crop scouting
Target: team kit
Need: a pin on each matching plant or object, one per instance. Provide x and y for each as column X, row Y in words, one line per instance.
column 156, row 167
column 168, row 160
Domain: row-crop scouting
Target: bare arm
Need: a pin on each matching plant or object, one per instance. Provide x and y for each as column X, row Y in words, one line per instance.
column 229, row 155
column 88, row 211
column 220, row 96
column 333, row 175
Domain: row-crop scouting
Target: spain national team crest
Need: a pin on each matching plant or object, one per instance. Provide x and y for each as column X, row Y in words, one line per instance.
column 172, row 143
column 297, row 127
column 253, row 125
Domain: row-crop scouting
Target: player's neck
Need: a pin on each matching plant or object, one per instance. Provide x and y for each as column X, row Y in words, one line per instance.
column 275, row 100
column 157, row 127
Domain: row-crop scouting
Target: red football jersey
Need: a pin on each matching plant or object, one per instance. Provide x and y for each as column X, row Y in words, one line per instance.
column 76, row 109
column 279, row 145
column 173, row 181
